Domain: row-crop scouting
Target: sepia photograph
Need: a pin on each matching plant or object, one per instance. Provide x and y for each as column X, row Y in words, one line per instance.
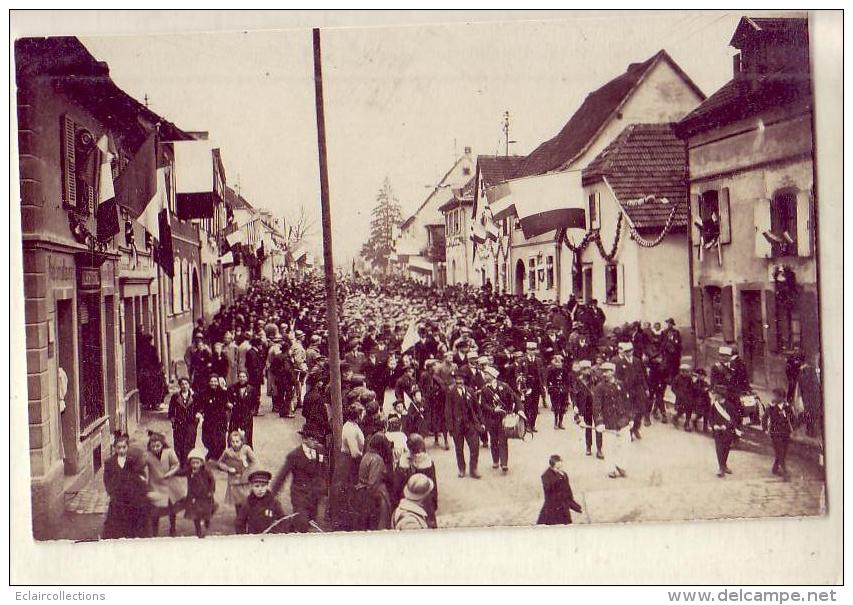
column 421, row 277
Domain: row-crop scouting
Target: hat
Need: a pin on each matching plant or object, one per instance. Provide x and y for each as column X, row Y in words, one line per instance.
column 315, row 338
column 418, row 487
column 724, row 350
column 491, row 372
column 626, row 346
column 685, row 366
column 197, row 452
column 472, row 355
column 483, row 359
column 531, row 346
column 584, row 363
column 608, row 366
column 260, row 476
column 670, row 321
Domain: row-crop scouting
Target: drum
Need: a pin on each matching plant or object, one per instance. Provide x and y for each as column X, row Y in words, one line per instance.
column 515, row 426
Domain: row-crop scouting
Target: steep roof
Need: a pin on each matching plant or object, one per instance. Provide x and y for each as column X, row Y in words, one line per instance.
column 496, row 169
column 461, row 196
column 643, row 165
column 71, row 69
column 789, row 29
column 592, row 115
column 235, row 200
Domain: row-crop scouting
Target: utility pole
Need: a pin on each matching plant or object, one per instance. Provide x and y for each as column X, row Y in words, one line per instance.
column 328, row 262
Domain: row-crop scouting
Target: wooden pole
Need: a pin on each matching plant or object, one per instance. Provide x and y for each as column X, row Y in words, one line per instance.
column 336, row 415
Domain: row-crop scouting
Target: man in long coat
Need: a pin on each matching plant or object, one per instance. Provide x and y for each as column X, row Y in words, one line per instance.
column 612, row 414
column 632, row 376
column 464, row 423
column 532, row 373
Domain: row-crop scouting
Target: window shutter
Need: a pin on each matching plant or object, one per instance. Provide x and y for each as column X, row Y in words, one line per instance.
column 694, row 218
column 620, row 284
column 698, row 313
column 598, row 210
column 728, row 314
column 725, row 217
column 708, row 311
column 761, row 215
column 770, row 319
column 69, row 162
column 805, row 224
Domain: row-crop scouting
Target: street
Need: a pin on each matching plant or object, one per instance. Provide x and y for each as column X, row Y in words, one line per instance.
column 671, row 477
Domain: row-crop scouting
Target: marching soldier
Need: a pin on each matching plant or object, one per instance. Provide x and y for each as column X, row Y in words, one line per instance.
column 497, row 400
column 531, row 387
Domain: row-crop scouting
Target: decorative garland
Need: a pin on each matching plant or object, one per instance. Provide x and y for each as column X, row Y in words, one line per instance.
column 612, row 255
column 666, row 228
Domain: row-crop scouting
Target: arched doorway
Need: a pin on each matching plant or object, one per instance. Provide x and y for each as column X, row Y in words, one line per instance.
column 196, row 296
column 519, row 277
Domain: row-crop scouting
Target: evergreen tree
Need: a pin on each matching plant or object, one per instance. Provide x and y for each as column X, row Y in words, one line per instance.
column 387, row 216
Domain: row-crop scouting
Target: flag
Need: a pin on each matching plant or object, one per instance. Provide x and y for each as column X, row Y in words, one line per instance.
column 165, row 255
column 106, row 214
column 542, row 203
column 237, row 237
column 136, row 186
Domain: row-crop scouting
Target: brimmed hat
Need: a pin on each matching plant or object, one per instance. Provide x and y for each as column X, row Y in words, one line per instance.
column 259, row 476
column 197, row 452
column 418, row 487
column 608, row 366
column 492, row 372
column 584, row 363
column 531, row 346
column 626, row 346
column 724, row 350
column 685, row 366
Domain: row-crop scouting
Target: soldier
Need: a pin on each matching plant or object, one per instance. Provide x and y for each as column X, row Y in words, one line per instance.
column 583, row 401
column 632, row 376
column 497, row 400
column 531, row 384
column 612, row 414
column 557, row 382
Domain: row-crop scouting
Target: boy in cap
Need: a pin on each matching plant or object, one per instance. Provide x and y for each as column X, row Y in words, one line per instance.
column 261, row 508
column 308, row 464
column 682, row 386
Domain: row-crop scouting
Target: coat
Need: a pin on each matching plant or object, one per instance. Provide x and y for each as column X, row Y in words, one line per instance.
column 632, row 376
column 214, row 407
column 184, row 423
column 559, row 501
column 166, row 490
column 410, row 515
column 309, row 478
column 255, row 366
column 461, row 411
column 200, row 504
column 127, row 514
column 243, row 462
column 257, row 514
column 496, row 402
column 611, row 405
column 244, row 399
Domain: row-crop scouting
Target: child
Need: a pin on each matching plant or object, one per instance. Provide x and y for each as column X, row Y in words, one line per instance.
column 701, row 400
column 682, row 386
column 237, row 460
column 397, row 437
column 164, row 485
column 261, row 509
column 778, row 422
column 200, row 505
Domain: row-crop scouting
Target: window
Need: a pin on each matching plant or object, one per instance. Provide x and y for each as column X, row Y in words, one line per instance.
column 783, row 224
column 177, row 288
column 549, row 273
column 185, row 290
column 611, row 283
column 586, row 277
column 466, row 171
column 531, row 274
column 788, row 325
column 714, row 300
column 594, row 210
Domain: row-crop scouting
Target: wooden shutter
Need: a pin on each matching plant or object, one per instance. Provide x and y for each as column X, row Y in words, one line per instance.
column 598, row 210
column 725, row 216
column 805, row 224
column 728, row 306
column 69, row 162
column 694, row 218
column 708, row 312
column 761, row 217
column 698, row 314
column 620, row 284
column 770, row 320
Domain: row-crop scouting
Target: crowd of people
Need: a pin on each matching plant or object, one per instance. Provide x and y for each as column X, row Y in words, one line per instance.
column 454, row 364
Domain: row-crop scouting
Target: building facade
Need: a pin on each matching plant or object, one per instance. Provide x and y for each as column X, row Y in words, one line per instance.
column 753, row 252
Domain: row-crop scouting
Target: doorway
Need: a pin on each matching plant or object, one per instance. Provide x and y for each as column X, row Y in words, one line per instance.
column 520, row 274
column 67, row 360
column 110, row 375
column 91, row 359
column 752, row 332
column 196, row 297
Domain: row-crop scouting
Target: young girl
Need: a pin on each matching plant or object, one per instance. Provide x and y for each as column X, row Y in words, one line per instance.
column 200, row 505
column 238, row 460
column 162, row 465
column 417, row 460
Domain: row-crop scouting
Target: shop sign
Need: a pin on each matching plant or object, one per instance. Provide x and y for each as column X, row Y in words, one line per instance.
column 89, row 278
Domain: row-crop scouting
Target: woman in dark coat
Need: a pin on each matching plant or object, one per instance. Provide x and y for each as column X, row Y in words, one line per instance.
column 129, row 510
column 152, row 381
column 559, row 501
column 243, row 397
column 184, row 414
column 214, row 406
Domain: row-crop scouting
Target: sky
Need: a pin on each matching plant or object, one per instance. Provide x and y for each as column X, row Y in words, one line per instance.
column 400, row 102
